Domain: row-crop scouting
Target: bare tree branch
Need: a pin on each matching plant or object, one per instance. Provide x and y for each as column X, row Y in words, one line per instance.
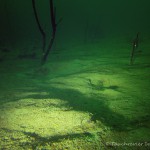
column 39, row 26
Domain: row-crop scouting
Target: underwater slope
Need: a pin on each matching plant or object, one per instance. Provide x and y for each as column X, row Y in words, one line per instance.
column 85, row 96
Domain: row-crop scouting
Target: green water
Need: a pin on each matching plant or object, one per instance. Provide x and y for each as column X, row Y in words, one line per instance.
column 86, row 96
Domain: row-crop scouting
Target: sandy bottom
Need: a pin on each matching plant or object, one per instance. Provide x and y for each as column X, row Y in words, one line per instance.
column 85, row 97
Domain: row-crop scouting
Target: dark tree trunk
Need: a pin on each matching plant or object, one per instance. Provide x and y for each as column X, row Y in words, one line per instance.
column 53, row 23
column 39, row 26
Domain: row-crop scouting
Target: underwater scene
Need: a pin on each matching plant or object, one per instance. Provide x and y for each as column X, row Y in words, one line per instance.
column 74, row 75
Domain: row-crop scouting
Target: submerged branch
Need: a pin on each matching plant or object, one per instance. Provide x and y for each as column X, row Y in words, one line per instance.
column 134, row 48
column 54, row 27
column 39, row 26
